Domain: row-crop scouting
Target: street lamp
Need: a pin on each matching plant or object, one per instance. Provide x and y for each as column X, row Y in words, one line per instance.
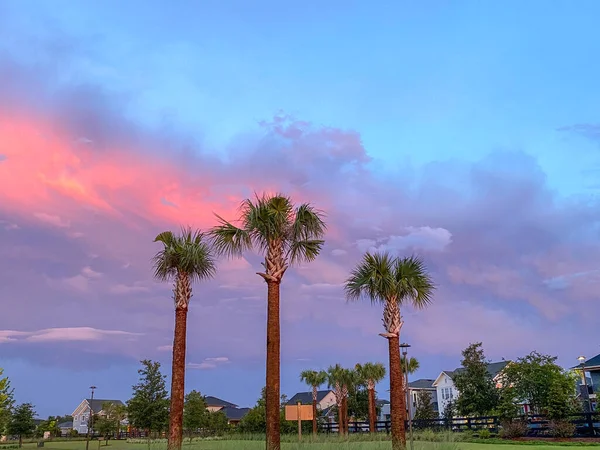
column 91, row 421
column 404, row 348
column 581, row 360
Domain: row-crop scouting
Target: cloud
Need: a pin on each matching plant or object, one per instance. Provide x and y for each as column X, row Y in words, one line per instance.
column 73, row 334
column 209, row 363
column 52, row 219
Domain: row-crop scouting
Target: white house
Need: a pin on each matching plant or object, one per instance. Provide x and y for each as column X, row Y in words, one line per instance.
column 81, row 415
column 446, row 391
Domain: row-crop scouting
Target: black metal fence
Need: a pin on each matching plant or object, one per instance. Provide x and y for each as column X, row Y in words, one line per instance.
column 586, row 425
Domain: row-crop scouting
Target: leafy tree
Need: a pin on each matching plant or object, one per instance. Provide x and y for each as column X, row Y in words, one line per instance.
column 22, row 422
column 217, row 422
column 183, row 259
column 6, row 400
column 506, row 408
column 478, row 395
column 148, row 409
column 287, row 235
column 449, row 411
column 104, row 426
column 113, row 415
column 392, row 282
column 369, row 375
column 424, row 408
column 538, row 381
column 314, row 379
column 194, row 413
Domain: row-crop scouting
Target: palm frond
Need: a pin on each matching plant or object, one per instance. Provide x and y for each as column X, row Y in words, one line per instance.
column 229, row 240
column 370, row 371
column 304, row 251
column 372, row 278
column 308, row 223
column 414, row 282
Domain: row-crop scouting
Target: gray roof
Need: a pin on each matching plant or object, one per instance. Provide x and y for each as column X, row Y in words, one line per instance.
column 66, row 424
column 214, row 401
column 421, row 384
column 97, row 404
column 306, row 397
column 493, row 369
column 382, row 402
column 235, row 413
column 592, row 362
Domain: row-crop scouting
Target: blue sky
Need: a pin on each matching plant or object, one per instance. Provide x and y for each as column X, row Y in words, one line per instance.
column 470, row 105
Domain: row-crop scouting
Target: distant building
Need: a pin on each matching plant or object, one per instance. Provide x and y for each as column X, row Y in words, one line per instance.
column 81, row 415
column 233, row 413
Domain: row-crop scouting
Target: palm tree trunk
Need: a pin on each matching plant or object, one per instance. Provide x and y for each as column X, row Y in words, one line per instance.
column 372, row 410
column 178, row 380
column 273, row 366
column 397, row 402
column 314, row 408
column 340, row 411
column 345, row 410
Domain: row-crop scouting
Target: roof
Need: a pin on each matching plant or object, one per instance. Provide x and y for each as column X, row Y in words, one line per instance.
column 306, row 398
column 422, row 383
column 66, row 424
column 382, row 402
column 235, row 413
column 493, row 369
column 97, row 403
column 214, row 401
column 592, row 362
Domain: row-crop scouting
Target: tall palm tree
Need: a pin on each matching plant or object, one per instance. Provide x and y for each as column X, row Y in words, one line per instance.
column 350, row 379
column 314, row 379
column 184, row 259
column 393, row 282
column 287, row 235
column 370, row 374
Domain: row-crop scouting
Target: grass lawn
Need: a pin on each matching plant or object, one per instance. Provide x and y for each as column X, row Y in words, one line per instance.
column 260, row 445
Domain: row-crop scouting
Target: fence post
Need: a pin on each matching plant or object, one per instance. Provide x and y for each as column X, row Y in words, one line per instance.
column 469, row 423
column 387, row 426
column 590, row 422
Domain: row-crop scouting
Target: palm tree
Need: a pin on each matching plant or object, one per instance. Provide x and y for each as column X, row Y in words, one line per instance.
column 287, row 235
column 413, row 364
column 393, row 282
column 370, row 374
column 184, row 258
column 335, row 381
column 314, row 379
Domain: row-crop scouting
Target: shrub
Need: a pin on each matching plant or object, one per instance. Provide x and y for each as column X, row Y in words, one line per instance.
column 561, row 429
column 485, row 434
column 513, row 430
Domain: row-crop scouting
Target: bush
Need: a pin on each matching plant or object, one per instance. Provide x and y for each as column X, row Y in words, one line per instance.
column 561, row 429
column 513, row 430
column 484, row 434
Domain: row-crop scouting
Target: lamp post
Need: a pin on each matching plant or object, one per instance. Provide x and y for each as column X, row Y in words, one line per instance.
column 581, row 360
column 91, row 421
column 404, row 348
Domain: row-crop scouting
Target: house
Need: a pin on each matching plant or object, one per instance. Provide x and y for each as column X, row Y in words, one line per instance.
column 446, row 390
column 384, row 410
column 325, row 399
column 65, row 428
column 231, row 411
column 81, row 415
column 423, row 384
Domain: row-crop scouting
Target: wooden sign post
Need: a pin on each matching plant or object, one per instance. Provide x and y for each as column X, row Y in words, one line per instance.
column 299, row 413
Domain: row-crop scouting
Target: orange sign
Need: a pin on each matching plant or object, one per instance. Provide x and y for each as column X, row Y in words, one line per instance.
column 305, row 411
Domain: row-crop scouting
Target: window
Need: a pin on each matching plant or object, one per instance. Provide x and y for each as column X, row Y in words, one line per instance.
column 447, row 393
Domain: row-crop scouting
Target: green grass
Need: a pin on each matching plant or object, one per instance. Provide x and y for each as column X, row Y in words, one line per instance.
column 323, row 443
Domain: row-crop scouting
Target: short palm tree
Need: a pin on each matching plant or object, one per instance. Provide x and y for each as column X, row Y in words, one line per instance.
column 287, row 235
column 314, row 379
column 393, row 282
column 413, row 364
column 184, row 259
column 341, row 380
column 370, row 374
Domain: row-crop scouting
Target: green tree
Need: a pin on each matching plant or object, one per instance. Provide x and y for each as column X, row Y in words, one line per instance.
column 314, row 379
column 217, row 422
column 22, row 422
column 369, row 375
column 538, row 381
column 413, row 364
column 478, row 395
column 424, row 408
column 6, row 400
column 113, row 414
column 184, row 258
column 148, row 409
column 104, row 425
column 506, row 408
column 287, row 235
column 194, row 413
column 392, row 282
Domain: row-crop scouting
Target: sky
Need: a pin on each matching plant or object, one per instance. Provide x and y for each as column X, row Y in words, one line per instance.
column 463, row 132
